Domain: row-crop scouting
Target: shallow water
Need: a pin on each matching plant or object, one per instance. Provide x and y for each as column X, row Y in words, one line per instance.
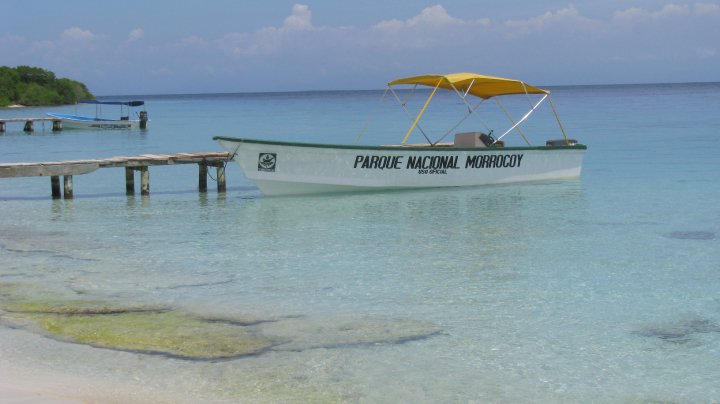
column 598, row 289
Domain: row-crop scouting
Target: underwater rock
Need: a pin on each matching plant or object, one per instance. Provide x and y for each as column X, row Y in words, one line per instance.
column 691, row 235
column 196, row 285
column 172, row 334
column 244, row 320
column 69, row 307
column 162, row 330
column 6, row 290
column 679, row 331
column 331, row 333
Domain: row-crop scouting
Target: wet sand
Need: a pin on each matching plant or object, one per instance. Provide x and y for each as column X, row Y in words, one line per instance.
column 13, row 391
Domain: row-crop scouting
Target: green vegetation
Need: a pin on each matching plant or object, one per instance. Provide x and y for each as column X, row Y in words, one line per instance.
column 157, row 329
column 72, row 307
column 141, row 328
column 34, row 86
column 172, row 334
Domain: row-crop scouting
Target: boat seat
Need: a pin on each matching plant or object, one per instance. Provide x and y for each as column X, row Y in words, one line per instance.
column 469, row 139
column 476, row 139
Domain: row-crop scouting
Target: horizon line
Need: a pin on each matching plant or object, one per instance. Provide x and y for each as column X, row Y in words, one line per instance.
column 382, row 89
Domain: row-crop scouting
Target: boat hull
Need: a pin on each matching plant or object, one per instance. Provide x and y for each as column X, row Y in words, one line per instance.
column 83, row 122
column 284, row 168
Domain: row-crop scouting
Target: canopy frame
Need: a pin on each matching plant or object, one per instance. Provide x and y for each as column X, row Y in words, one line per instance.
column 409, row 114
column 125, row 107
column 496, row 86
column 127, row 103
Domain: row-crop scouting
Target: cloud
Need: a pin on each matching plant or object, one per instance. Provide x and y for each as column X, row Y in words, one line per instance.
column 193, row 41
column 431, row 28
column 299, row 20
column 12, row 44
column 568, row 18
column 432, row 38
column 270, row 40
column 136, row 35
column 77, row 34
column 706, row 9
column 11, row 39
column 483, row 21
column 669, row 12
column 430, row 17
column 43, row 46
column 632, row 39
column 234, row 43
column 706, row 53
column 390, row 25
column 435, row 16
column 635, row 14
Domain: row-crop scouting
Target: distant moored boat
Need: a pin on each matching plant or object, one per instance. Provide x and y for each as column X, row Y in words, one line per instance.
column 70, row 121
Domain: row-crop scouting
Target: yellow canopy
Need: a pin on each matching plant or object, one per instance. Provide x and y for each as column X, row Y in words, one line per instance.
column 480, row 86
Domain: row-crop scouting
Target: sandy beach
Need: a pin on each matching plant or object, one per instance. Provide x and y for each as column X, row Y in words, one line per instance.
column 27, row 391
column 31, row 386
column 36, row 369
column 15, row 396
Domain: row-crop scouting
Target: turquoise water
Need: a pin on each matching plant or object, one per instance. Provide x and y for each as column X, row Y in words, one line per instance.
column 603, row 289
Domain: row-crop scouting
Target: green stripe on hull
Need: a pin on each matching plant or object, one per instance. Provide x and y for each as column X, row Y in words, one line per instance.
column 405, row 148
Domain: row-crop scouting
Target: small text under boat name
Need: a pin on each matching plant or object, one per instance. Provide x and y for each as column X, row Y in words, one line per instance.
column 436, row 164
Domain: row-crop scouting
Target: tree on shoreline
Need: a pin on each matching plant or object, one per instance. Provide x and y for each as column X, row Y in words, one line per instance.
column 34, row 86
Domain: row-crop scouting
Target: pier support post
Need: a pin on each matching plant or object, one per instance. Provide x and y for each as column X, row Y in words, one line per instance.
column 68, row 186
column 129, row 181
column 28, row 126
column 57, row 126
column 55, row 185
column 202, row 176
column 221, row 187
column 144, row 181
column 2, row 127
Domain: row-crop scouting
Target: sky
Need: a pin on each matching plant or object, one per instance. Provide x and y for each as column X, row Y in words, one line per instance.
column 143, row 47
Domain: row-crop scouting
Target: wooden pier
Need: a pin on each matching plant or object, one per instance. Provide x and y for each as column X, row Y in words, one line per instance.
column 141, row 163
column 29, row 123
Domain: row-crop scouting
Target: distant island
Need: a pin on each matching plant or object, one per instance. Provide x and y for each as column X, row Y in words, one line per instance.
column 33, row 86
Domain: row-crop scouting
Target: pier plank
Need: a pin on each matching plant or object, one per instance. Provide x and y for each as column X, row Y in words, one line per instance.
column 27, row 119
column 140, row 163
column 44, row 170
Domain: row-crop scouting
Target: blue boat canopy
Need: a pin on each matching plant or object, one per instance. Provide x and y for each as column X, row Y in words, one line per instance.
column 128, row 103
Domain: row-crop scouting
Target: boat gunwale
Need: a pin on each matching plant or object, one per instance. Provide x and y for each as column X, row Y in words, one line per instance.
column 397, row 148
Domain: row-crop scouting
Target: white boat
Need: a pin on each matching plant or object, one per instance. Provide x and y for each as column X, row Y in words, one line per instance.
column 70, row 121
column 472, row 159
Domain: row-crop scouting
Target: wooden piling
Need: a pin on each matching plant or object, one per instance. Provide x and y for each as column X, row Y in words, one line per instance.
column 143, row 119
column 202, row 176
column 68, row 186
column 221, row 186
column 55, row 185
column 129, row 181
column 30, row 123
column 144, row 180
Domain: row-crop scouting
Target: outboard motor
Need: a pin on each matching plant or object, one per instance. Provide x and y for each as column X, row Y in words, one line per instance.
column 143, row 119
column 487, row 138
